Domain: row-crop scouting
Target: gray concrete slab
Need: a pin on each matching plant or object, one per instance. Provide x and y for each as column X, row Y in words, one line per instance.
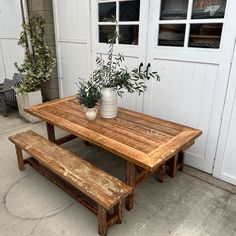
column 186, row 205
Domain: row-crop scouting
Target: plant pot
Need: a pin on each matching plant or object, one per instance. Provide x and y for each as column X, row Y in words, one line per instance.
column 109, row 103
column 91, row 113
column 28, row 99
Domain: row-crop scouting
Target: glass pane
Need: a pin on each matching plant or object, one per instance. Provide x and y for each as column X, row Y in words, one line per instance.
column 205, row 35
column 106, row 11
column 129, row 10
column 174, row 9
column 203, row 9
column 128, row 34
column 171, row 35
column 106, row 32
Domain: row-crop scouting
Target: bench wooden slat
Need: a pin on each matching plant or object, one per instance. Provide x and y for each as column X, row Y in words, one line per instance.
column 103, row 188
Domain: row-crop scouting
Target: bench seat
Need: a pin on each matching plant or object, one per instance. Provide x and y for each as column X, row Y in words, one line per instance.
column 106, row 190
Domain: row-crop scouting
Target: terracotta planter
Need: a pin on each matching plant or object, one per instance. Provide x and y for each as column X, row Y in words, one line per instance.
column 28, row 99
column 109, row 103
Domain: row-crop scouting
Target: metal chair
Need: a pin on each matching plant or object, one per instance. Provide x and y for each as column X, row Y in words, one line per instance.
column 7, row 93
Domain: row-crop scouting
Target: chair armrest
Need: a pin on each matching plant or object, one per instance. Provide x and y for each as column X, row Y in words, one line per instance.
column 6, row 90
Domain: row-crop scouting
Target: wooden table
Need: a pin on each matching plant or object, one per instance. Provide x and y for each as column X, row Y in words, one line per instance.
column 145, row 142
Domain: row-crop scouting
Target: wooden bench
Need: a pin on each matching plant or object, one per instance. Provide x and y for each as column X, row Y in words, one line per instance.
column 72, row 173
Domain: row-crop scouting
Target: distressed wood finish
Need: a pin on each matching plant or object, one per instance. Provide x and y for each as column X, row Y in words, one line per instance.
column 141, row 139
column 98, row 185
column 130, row 180
column 72, row 173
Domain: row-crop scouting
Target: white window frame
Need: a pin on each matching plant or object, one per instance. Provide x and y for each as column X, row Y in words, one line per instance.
column 188, row 21
column 117, row 19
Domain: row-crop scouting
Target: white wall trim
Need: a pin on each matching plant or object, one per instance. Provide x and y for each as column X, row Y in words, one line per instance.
column 58, row 54
column 228, row 178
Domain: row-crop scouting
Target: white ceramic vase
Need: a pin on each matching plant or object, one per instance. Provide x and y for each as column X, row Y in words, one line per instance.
column 109, row 103
column 28, row 99
column 91, row 113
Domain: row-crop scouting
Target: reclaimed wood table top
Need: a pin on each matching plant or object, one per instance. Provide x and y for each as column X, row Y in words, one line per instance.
column 141, row 139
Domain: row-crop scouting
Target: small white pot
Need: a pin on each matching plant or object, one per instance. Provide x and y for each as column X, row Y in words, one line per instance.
column 28, row 99
column 91, row 113
column 109, row 103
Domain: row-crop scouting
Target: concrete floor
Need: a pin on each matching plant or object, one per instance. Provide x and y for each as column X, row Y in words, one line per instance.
column 193, row 203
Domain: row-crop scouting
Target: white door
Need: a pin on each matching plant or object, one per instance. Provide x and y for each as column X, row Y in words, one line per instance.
column 10, row 27
column 225, row 165
column 190, row 43
column 132, row 18
column 72, row 28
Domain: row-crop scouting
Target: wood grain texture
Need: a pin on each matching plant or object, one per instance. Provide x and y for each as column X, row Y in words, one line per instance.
column 103, row 188
column 143, row 140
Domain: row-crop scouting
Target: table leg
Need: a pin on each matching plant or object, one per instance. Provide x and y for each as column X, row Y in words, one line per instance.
column 181, row 160
column 161, row 172
column 51, row 132
column 173, row 165
column 130, row 180
column 86, row 143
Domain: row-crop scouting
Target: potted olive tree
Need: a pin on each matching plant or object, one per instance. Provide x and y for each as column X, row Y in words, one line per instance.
column 89, row 95
column 114, row 79
column 37, row 66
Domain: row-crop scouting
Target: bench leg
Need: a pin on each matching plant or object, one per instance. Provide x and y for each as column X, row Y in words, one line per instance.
column 130, row 180
column 173, row 165
column 118, row 212
column 161, row 172
column 102, row 220
column 20, row 159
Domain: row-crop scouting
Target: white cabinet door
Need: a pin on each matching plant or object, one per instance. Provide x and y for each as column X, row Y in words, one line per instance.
column 186, row 47
column 132, row 18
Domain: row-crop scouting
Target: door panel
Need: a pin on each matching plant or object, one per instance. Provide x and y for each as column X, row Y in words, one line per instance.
column 73, row 66
column 225, row 165
column 130, row 25
column 193, row 80
column 184, row 95
column 72, row 14
column 73, row 43
column 12, row 53
column 10, row 27
column 228, row 170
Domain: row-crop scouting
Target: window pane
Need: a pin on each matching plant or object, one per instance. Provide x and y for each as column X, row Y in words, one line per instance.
column 106, row 32
column 174, row 9
column 205, row 35
column 203, row 9
column 106, row 11
column 128, row 34
column 129, row 10
column 171, row 35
